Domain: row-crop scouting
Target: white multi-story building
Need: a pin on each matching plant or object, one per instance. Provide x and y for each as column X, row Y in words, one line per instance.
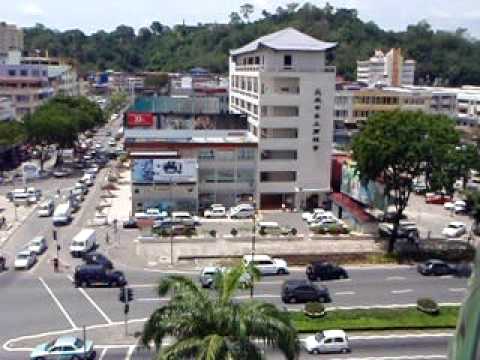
column 390, row 69
column 281, row 81
column 11, row 39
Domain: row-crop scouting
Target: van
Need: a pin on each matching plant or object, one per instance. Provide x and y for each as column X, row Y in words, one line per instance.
column 45, row 208
column 62, row 214
column 83, row 242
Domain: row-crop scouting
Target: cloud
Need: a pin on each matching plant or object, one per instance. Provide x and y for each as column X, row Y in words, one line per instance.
column 31, row 9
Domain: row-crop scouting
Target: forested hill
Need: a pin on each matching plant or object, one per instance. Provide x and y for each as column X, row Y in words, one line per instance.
column 447, row 57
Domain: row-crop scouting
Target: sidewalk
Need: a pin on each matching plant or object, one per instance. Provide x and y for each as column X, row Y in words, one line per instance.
column 7, row 210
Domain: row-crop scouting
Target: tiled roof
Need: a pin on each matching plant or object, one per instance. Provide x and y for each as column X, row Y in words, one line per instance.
column 286, row 39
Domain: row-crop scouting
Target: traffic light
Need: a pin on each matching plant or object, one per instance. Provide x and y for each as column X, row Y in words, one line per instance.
column 121, row 296
column 129, row 295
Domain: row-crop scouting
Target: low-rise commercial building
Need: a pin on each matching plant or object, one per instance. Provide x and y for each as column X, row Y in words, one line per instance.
column 187, row 154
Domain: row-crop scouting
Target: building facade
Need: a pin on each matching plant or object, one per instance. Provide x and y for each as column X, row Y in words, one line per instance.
column 282, row 83
column 187, row 154
column 6, row 109
column 390, row 69
column 11, row 38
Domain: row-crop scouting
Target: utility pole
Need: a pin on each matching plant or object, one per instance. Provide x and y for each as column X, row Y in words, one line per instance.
column 125, row 297
column 84, row 342
column 252, row 287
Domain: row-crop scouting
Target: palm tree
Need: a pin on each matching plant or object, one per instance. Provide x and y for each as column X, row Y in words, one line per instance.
column 215, row 327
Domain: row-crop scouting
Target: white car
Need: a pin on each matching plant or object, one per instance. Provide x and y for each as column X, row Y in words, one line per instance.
column 38, row 245
column 215, row 212
column 100, row 219
column 266, row 265
column 87, row 179
column 242, row 211
column 308, row 216
column 25, row 259
column 460, row 206
column 454, row 229
column 318, row 218
column 327, row 341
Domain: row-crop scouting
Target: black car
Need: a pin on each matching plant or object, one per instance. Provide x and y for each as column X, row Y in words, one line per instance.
column 320, row 270
column 95, row 258
column 435, row 267
column 294, row 291
column 3, row 263
column 130, row 224
column 98, row 275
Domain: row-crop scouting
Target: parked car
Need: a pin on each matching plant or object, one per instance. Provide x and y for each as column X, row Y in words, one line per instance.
column 152, row 214
column 25, row 259
column 431, row 198
column 62, row 214
column 436, row 267
column 98, row 275
column 320, row 217
column 87, row 179
column 60, row 173
column 95, row 258
column 242, row 211
column 215, row 212
column 406, row 229
column 308, row 216
column 301, row 290
column 46, row 208
column 131, row 223
column 81, row 187
column 272, row 228
column 266, row 265
column 320, row 270
column 65, row 347
column 454, row 229
column 3, row 263
column 458, row 206
column 38, row 245
column 185, row 218
column 327, row 341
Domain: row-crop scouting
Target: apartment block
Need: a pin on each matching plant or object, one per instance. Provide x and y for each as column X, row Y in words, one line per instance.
column 282, row 83
column 390, row 69
column 11, row 38
column 6, row 109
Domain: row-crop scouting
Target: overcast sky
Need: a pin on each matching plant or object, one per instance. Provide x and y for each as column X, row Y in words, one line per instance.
column 92, row 15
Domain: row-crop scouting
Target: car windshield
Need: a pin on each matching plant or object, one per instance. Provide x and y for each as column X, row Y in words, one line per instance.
column 78, row 343
column 22, row 256
column 78, row 243
column 319, row 336
column 454, row 226
column 50, row 344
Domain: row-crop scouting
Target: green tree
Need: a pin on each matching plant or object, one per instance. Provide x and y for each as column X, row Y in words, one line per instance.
column 216, row 327
column 391, row 147
column 235, row 19
column 246, row 10
column 11, row 133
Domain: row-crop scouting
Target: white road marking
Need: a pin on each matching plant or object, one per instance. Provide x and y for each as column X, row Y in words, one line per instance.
column 457, row 289
column 59, row 304
column 345, row 293
column 131, row 349
column 102, row 354
column 401, row 357
column 403, row 291
column 94, row 304
column 171, row 271
column 379, row 306
column 391, row 278
column 140, row 286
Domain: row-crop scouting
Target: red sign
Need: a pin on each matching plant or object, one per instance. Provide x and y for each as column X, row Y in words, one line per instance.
column 139, row 119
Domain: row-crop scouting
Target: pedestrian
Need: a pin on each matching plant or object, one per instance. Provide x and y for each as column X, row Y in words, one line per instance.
column 55, row 264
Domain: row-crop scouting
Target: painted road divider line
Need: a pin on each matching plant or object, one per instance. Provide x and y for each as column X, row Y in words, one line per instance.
column 401, row 357
column 403, row 291
column 457, row 289
column 392, row 278
column 94, row 304
column 345, row 293
column 59, row 304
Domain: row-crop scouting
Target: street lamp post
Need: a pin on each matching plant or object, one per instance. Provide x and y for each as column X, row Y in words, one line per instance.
column 252, row 287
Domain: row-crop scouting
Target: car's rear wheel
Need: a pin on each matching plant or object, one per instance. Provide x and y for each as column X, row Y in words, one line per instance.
column 316, row 351
column 321, row 299
column 345, row 350
column 114, row 284
column 39, row 358
column 93, row 355
column 281, row 272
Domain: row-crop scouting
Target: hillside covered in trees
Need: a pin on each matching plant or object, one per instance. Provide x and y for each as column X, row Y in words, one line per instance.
column 449, row 58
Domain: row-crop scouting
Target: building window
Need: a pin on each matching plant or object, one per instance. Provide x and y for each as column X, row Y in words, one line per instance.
column 287, row 60
column 225, row 176
column 315, row 139
column 316, row 131
column 23, row 72
column 279, row 155
column 137, row 191
column 278, row 176
column 318, row 100
column 315, row 147
column 245, row 153
column 257, row 60
column 317, row 107
column 317, row 116
column 12, row 72
column 274, row 133
column 206, row 154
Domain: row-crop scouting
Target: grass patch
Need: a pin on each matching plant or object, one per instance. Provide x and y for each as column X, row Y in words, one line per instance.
column 377, row 319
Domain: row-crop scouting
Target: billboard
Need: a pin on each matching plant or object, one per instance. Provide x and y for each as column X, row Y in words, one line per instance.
column 203, row 122
column 140, row 119
column 164, row 170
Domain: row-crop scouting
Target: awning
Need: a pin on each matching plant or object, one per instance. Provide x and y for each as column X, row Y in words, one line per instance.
column 353, row 207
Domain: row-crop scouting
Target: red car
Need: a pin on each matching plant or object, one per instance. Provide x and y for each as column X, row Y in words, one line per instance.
column 437, row 199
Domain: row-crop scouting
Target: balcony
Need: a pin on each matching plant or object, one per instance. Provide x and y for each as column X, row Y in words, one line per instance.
column 284, row 69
